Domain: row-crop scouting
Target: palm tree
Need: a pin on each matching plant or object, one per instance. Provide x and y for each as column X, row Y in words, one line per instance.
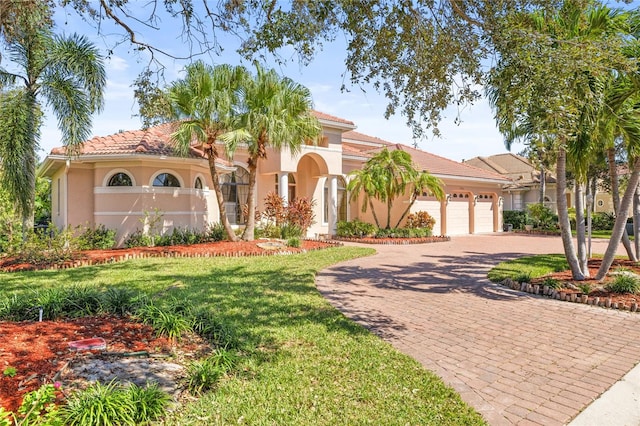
column 424, row 182
column 386, row 176
column 203, row 103
column 548, row 81
column 274, row 112
column 65, row 73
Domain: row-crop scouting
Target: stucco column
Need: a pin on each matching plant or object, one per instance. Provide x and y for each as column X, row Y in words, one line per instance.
column 283, row 186
column 333, row 204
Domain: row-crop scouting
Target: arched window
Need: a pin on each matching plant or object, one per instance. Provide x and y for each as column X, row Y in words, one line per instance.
column 235, row 189
column 167, row 180
column 120, row 179
column 341, row 201
column 198, row 183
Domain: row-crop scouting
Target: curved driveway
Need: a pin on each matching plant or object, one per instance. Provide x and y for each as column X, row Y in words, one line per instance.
column 514, row 357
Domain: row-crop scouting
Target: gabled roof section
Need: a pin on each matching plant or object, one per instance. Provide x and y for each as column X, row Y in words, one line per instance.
column 446, row 168
column 515, row 167
column 361, row 139
column 152, row 141
column 333, row 121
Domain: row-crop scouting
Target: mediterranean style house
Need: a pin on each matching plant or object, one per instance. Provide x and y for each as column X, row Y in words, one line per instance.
column 121, row 180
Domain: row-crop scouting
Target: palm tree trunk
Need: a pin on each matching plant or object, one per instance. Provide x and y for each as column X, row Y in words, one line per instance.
column 580, row 231
column 373, row 211
column 615, row 195
column 414, row 197
column 563, row 216
column 249, row 230
column 389, row 202
column 621, row 221
column 636, row 221
column 231, row 235
column 543, row 184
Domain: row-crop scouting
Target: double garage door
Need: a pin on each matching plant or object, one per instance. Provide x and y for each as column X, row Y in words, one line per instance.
column 458, row 219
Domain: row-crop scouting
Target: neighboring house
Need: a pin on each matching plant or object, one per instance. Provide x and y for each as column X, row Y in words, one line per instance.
column 120, row 179
column 524, row 185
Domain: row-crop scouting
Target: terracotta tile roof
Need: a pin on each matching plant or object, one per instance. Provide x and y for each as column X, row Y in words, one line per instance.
column 153, row 141
column 355, row 150
column 323, row 116
column 352, row 135
column 442, row 167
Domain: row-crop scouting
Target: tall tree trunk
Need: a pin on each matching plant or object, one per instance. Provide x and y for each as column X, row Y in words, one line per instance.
column 636, row 221
column 563, row 216
column 389, row 203
column 373, row 211
column 580, row 231
column 615, row 195
column 249, row 230
column 211, row 157
column 543, row 184
column 414, row 197
column 621, row 222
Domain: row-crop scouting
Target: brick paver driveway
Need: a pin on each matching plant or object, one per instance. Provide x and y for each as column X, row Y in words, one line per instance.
column 514, row 357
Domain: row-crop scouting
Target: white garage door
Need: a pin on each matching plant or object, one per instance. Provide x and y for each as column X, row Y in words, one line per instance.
column 483, row 220
column 458, row 216
column 433, row 208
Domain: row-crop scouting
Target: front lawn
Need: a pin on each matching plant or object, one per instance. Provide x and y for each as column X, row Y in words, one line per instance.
column 302, row 361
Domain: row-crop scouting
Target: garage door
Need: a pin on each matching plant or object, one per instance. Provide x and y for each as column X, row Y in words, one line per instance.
column 458, row 216
column 433, row 208
column 483, row 220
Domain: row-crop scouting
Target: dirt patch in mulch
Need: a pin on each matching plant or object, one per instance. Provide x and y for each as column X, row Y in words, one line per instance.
column 598, row 289
column 40, row 353
column 217, row 249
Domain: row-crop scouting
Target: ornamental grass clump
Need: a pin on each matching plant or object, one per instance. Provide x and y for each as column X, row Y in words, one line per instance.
column 625, row 283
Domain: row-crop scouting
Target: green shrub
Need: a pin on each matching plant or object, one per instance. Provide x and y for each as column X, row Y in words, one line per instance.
column 118, row 301
column 167, row 322
column 212, row 329
column 288, row 231
column 523, row 278
column 355, row 229
column 149, row 402
column 625, row 283
column 552, row 283
column 137, row 239
column 99, row 405
column 293, row 242
column 602, row 221
column 542, row 216
column 216, row 232
column 516, row 218
column 204, row 374
column 98, row 238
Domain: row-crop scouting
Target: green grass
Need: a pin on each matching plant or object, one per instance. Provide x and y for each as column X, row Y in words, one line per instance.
column 532, row 266
column 300, row 360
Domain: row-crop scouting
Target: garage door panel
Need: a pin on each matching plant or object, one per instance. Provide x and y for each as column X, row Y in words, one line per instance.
column 458, row 217
column 483, row 219
column 433, row 208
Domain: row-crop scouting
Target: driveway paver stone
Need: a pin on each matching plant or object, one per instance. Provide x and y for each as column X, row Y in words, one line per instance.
column 516, row 358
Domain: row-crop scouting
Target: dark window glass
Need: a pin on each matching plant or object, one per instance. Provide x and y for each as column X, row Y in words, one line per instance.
column 198, row 184
column 166, row 179
column 120, row 179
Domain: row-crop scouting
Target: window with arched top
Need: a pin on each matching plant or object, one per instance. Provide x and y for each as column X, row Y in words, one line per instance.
column 235, row 191
column 166, row 180
column 120, row 179
column 198, row 183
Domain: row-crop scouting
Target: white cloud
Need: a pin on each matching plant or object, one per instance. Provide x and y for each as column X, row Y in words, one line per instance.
column 117, row 64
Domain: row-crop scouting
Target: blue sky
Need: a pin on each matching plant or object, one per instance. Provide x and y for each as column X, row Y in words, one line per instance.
column 475, row 135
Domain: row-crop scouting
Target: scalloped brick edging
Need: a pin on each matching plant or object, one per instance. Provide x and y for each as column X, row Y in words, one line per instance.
column 569, row 295
column 394, row 241
column 169, row 253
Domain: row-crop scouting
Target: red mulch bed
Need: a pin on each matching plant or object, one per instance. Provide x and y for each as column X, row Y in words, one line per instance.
column 222, row 248
column 39, row 350
column 625, row 299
